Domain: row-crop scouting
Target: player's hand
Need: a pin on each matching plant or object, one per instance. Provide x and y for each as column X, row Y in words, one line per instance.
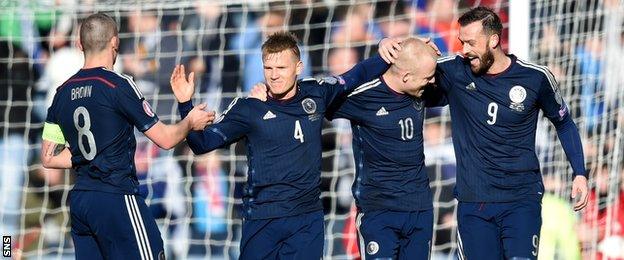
column 183, row 87
column 259, row 91
column 429, row 42
column 580, row 192
column 199, row 118
column 389, row 49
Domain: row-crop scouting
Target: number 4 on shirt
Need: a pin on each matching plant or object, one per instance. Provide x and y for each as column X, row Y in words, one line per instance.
column 298, row 132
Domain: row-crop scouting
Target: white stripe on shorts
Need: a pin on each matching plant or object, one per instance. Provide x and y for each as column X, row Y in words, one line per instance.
column 460, row 247
column 134, row 228
column 133, row 203
column 358, row 223
column 138, row 227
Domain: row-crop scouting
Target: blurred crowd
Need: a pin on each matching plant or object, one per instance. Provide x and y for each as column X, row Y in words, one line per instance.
column 196, row 198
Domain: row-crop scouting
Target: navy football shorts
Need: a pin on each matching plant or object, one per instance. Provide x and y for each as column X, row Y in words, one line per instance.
column 507, row 230
column 113, row 226
column 386, row 234
column 295, row 237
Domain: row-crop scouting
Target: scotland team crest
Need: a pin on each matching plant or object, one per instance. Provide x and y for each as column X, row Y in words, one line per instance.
column 309, row 106
column 517, row 94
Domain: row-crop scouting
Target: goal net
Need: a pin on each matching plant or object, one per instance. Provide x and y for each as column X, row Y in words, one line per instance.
column 196, row 199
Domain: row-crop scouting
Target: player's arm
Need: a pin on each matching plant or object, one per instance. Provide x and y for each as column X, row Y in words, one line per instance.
column 343, row 85
column 54, row 154
column 230, row 127
column 443, row 73
column 137, row 110
column 168, row 136
column 558, row 113
column 338, row 88
column 348, row 110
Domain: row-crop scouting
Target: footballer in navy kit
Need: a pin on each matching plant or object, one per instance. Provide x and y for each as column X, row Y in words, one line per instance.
column 283, row 217
column 391, row 187
column 95, row 112
column 494, row 100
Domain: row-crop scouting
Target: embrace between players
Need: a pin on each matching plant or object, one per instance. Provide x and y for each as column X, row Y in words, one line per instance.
column 494, row 100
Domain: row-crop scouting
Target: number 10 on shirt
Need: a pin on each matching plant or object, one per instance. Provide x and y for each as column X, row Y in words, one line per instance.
column 407, row 128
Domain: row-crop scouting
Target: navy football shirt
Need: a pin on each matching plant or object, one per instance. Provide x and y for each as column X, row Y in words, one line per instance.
column 283, row 140
column 494, row 119
column 97, row 111
column 387, row 132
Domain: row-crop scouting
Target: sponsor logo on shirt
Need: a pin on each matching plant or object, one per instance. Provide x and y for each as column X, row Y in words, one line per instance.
column 471, row 86
column 268, row 115
column 382, row 112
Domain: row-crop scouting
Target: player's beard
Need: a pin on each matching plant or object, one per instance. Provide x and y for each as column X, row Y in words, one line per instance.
column 485, row 61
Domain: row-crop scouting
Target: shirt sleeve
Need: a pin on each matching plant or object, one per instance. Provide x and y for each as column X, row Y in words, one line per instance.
column 227, row 129
column 134, row 107
column 348, row 110
column 556, row 110
column 338, row 87
column 443, row 74
column 51, row 117
column 51, row 129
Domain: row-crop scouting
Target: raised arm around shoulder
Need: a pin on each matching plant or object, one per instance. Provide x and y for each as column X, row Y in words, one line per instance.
column 366, row 70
